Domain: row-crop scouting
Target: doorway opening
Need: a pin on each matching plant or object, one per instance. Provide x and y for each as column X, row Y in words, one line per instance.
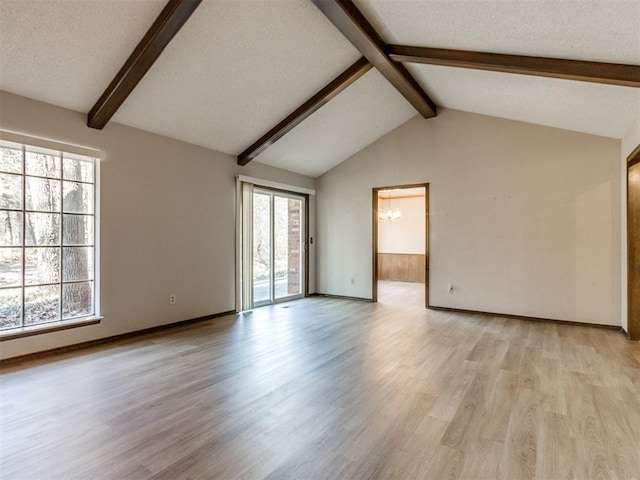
column 274, row 259
column 401, row 242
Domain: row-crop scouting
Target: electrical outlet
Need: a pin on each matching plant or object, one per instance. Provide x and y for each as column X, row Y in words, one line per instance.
column 172, row 299
column 451, row 288
column 353, row 280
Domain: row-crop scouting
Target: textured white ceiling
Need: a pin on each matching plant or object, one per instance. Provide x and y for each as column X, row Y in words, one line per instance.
column 238, row 67
column 597, row 30
column 600, row 30
column 583, row 107
column 66, row 52
column 235, row 69
column 360, row 115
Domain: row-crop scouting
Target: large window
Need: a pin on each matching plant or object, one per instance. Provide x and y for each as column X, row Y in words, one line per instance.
column 47, row 236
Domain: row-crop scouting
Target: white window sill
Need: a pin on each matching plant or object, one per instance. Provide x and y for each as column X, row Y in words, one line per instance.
column 48, row 328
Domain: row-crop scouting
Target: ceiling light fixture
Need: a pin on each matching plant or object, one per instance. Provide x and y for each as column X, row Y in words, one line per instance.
column 388, row 214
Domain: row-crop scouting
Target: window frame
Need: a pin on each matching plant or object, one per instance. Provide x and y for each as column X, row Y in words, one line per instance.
column 68, row 152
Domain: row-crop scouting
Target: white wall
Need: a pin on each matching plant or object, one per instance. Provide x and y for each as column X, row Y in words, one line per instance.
column 525, row 219
column 167, row 223
column 407, row 234
column 629, row 142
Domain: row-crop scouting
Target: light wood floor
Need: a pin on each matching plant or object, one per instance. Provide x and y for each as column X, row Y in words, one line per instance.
column 330, row 388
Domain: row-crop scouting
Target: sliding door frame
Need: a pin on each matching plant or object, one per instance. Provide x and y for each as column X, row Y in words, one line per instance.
column 305, row 242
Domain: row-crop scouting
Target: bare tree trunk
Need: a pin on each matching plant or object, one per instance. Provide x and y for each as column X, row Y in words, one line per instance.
column 76, row 297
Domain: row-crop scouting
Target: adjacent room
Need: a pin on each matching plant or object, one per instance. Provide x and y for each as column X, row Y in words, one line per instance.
column 309, row 239
column 401, row 265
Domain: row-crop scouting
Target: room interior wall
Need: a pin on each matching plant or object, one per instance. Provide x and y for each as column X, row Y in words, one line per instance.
column 524, row 219
column 407, row 234
column 628, row 143
column 167, row 223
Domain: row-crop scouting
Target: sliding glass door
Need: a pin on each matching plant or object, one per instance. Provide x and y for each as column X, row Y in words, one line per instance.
column 276, row 247
column 262, row 251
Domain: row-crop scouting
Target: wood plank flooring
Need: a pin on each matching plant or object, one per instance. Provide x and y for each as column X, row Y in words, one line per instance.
column 331, row 388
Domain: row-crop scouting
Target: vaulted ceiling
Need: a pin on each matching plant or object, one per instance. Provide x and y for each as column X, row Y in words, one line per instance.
column 237, row 68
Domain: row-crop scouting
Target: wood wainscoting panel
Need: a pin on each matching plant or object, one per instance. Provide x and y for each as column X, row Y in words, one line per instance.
column 401, row 267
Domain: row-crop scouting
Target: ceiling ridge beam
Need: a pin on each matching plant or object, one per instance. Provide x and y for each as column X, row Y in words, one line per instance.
column 580, row 70
column 169, row 22
column 331, row 90
column 353, row 25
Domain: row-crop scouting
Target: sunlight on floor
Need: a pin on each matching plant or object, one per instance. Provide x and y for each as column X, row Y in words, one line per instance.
column 401, row 294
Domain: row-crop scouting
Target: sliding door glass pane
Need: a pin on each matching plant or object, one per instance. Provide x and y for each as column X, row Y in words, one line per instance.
column 261, row 248
column 287, row 246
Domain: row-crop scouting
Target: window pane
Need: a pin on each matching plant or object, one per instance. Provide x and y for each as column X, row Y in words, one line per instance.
column 41, row 304
column 43, row 229
column 42, row 265
column 77, row 263
column 77, row 299
column 10, row 267
column 10, row 229
column 76, row 168
column 78, row 197
column 10, row 308
column 77, row 230
column 10, row 191
column 10, row 160
column 43, row 194
column 42, row 164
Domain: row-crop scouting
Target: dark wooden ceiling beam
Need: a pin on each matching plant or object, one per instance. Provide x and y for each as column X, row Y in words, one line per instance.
column 597, row 72
column 171, row 19
column 346, row 78
column 353, row 25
